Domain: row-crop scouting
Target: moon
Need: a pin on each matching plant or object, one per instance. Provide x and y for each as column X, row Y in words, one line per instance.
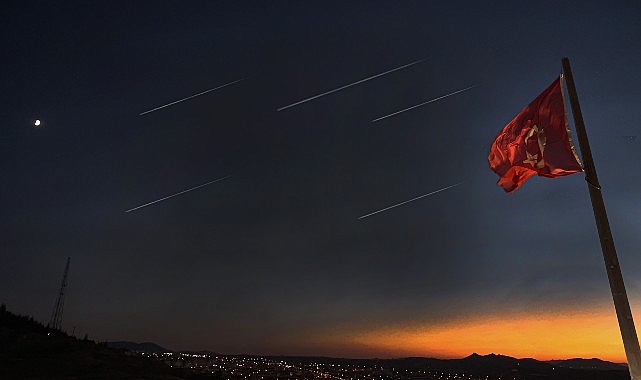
column 37, row 123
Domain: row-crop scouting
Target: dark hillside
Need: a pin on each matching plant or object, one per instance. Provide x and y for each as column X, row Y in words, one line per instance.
column 29, row 350
column 148, row 347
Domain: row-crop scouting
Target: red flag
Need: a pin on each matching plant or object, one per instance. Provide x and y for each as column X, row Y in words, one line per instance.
column 536, row 141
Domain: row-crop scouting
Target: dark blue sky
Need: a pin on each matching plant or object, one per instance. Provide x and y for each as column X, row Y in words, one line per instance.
column 274, row 254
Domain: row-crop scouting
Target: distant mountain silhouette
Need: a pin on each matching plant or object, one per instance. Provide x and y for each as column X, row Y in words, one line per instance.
column 139, row 347
column 501, row 365
column 593, row 363
column 494, row 366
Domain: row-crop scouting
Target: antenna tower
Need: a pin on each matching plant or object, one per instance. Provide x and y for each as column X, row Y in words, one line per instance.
column 56, row 316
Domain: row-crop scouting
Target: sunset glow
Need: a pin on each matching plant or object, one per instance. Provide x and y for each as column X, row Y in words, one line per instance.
column 586, row 334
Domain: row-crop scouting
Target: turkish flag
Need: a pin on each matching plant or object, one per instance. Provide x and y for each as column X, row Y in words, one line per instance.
column 536, row 141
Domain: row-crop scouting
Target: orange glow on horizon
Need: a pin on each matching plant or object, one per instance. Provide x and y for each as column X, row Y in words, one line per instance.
column 544, row 336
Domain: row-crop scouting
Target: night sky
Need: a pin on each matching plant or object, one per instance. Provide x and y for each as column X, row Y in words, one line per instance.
column 273, row 259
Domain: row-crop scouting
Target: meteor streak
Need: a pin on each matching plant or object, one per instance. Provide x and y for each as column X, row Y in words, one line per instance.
column 411, row 200
column 349, row 85
column 422, row 104
column 182, row 192
column 190, row 97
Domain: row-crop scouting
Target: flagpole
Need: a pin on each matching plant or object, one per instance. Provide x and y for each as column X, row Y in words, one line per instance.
column 621, row 304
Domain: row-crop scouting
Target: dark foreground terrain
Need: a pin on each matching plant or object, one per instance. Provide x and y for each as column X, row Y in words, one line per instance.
column 29, row 350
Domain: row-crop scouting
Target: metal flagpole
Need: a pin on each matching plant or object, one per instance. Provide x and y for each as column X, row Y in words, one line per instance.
column 621, row 304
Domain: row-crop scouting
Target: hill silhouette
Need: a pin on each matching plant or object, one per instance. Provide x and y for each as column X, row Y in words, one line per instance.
column 593, row 363
column 491, row 366
column 148, row 347
column 31, row 351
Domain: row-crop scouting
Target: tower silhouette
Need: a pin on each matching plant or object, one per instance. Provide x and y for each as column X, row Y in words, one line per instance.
column 56, row 316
